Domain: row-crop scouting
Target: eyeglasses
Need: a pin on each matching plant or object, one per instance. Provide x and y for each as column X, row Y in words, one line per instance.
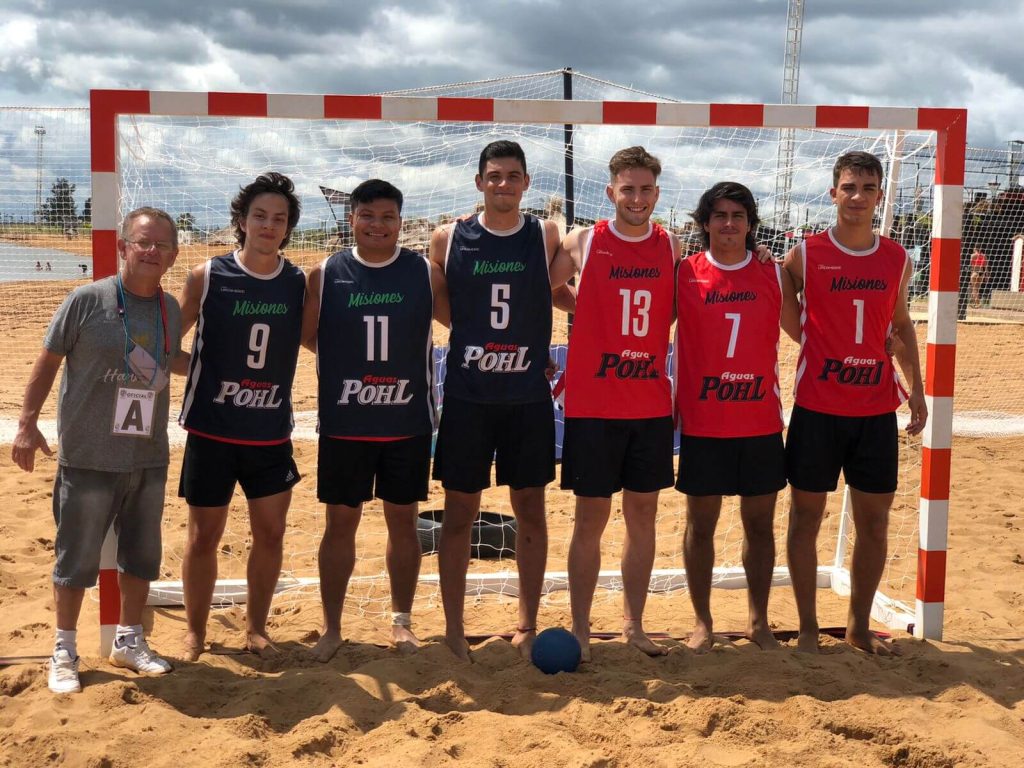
column 145, row 245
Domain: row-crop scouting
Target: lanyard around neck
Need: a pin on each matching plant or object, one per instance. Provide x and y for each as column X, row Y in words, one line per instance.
column 122, row 311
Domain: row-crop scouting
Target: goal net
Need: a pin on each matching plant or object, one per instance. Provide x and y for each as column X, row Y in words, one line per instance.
column 188, row 153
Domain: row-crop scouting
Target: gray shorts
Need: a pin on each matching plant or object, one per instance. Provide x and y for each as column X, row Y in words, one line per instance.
column 86, row 502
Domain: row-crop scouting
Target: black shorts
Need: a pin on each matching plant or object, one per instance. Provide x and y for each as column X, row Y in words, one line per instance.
column 865, row 448
column 519, row 439
column 347, row 470
column 602, row 456
column 731, row 466
column 211, row 468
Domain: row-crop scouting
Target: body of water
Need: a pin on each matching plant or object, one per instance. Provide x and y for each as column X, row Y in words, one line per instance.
column 25, row 262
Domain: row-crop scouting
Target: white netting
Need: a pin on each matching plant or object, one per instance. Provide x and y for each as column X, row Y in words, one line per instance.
column 193, row 166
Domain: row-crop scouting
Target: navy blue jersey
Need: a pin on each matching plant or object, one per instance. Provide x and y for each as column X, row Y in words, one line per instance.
column 239, row 386
column 375, row 351
column 500, row 297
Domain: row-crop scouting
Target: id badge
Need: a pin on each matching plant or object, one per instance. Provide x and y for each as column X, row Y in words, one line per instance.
column 133, row 412
column 145, row 368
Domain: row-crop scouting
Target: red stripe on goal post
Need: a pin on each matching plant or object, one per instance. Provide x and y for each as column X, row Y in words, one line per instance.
column 104, row 253
column 935, row 464
column 110, row 610
column 104, row 107
column 465, row 109
column 940, row 372
column 629, row 113
column 945, row 269
column 737, row 115
column 353, row 107
column 931, row 575
column 841, row 117
column 950, row 126
column 222, row 104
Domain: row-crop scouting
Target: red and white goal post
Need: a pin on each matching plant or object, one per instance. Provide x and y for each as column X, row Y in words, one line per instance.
column 614, row 124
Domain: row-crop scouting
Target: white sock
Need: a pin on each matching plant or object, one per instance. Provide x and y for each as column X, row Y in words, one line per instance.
column 68, row 640
column 123, row 634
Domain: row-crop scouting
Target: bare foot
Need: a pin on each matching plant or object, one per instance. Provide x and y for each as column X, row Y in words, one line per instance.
column 260, row 644
column 328, row 644
column 807, row 641
column 633, row 634
column 404, row 640
column 701, row 639
column 583, row 638
column 194, row 646
column 523, row 640
column 869, row 642
column 457, row 644
column 763, row 637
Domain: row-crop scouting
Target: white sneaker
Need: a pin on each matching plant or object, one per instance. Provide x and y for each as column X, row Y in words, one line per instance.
column 64, row 673
column 138, row 657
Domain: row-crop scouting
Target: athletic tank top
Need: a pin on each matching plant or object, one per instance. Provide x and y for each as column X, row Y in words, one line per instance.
column 727, row 347
column 500, row 298
column 239, row 387
column 625, row 299
column 375, row 346
column 847, row 306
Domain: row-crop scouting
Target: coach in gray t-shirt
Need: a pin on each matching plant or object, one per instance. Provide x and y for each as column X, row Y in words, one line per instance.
column 117, row 338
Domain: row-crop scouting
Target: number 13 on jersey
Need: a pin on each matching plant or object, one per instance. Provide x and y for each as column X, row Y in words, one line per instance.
column 636, row 309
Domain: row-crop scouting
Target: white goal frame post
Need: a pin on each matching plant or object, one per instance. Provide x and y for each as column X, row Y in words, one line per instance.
column 948, row 125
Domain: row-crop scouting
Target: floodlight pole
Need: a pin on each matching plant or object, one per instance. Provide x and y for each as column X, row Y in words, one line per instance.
column 40, row 133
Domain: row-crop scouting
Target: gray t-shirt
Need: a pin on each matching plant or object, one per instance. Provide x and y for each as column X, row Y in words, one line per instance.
column 90, row 333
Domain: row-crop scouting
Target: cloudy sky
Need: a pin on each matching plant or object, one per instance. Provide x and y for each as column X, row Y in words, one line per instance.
column 877, row 52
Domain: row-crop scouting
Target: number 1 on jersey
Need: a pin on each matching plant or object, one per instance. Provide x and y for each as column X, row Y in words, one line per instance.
column 638, row 323
column 859, row 333
column 373, row 348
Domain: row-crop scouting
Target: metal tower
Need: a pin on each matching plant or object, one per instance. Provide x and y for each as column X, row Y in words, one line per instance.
column 38, row 213
column 790, row 87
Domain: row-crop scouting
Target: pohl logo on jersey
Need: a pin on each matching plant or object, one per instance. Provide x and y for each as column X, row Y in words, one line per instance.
column 375, row 390
column 497, row 358
column 627, row 364
column 735, row 387
column 855, row 371
column 249, row 394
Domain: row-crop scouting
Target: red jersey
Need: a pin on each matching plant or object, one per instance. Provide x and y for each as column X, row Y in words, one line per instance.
column 624, row 308
column 846, row 315
column 727, row 347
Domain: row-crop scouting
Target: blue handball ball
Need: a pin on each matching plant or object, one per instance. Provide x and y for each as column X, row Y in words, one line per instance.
column 556, row 650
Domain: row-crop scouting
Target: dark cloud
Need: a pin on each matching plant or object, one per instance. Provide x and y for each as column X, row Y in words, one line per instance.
column 916, row 52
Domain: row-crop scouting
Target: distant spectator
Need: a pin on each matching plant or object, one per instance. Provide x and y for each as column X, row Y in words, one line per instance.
column 979, row 276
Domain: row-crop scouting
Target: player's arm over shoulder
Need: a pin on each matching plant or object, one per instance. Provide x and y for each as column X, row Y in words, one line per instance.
column 311, row 307
column 568, row 257
column 439, row 288
column 190, row 299
column 794, row 265
column 439, row 246
column 790, row 318
column 677, row 248
column 192, row 296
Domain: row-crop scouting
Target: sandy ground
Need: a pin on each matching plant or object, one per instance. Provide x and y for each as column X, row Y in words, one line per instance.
column 952, row 703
